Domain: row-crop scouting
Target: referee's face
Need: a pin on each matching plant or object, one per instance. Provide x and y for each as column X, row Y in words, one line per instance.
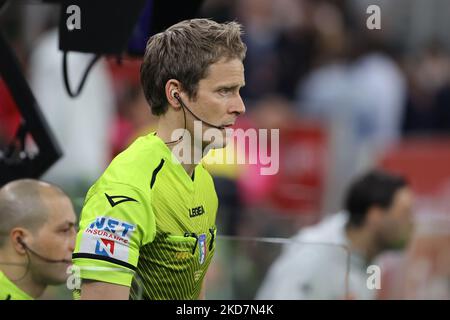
column 218, row 100
column 55, row 240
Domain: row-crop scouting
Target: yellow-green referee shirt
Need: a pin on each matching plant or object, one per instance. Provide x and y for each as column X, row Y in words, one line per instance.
column 9, row 291
column 149, row 225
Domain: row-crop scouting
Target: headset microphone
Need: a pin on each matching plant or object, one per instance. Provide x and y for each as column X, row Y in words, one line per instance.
column 40, row 256
column 183, row 106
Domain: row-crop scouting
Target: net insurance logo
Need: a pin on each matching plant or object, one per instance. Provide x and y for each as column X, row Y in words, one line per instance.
column 108, row 237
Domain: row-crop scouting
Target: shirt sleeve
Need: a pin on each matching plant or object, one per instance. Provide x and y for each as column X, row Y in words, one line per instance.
column 115, row 222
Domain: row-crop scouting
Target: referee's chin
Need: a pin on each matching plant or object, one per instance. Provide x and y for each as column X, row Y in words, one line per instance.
column 53, row 275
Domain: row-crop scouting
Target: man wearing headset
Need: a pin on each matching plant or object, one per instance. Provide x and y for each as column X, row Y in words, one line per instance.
column 37, row 237
column 151, row 216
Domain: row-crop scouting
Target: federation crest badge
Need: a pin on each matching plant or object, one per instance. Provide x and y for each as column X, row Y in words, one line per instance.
column 202, row 247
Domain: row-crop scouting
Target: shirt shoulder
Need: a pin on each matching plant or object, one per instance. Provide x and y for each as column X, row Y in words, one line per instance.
column 204, row 177
column 205, row 182
column 9, row 291
column 136, row 165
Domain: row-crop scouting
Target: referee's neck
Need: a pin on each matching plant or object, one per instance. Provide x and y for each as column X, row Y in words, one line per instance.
column 16, row 270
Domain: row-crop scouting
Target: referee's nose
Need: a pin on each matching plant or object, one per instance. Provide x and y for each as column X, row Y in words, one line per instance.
column 238, row 106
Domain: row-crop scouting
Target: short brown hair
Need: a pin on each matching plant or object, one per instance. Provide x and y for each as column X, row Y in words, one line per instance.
column 184, row 52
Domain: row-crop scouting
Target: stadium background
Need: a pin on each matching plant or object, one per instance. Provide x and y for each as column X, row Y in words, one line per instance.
column 345, row 99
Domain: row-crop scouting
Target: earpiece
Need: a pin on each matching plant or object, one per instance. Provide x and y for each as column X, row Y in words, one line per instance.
column 20, row 241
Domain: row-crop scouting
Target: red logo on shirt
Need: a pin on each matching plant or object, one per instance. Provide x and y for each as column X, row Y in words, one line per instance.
column 105, row 247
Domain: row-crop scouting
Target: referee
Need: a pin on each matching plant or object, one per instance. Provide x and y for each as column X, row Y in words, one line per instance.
column 37, row 236
column 151, row 215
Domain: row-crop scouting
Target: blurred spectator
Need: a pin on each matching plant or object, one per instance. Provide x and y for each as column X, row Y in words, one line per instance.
column 377, row 217
column 261, row 63
column 368, row 91
column 361, row 100
column 296, row 42
column 427, row 108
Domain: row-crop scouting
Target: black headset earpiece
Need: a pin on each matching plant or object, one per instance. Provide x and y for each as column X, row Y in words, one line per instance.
column 176, row 96
column 20, row 241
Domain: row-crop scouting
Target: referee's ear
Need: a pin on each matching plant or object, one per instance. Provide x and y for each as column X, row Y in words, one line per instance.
column 173, row 86
column 17, row 237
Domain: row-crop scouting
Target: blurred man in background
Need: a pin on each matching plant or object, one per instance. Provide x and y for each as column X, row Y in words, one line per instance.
column 37, row 237
column 377, row 217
